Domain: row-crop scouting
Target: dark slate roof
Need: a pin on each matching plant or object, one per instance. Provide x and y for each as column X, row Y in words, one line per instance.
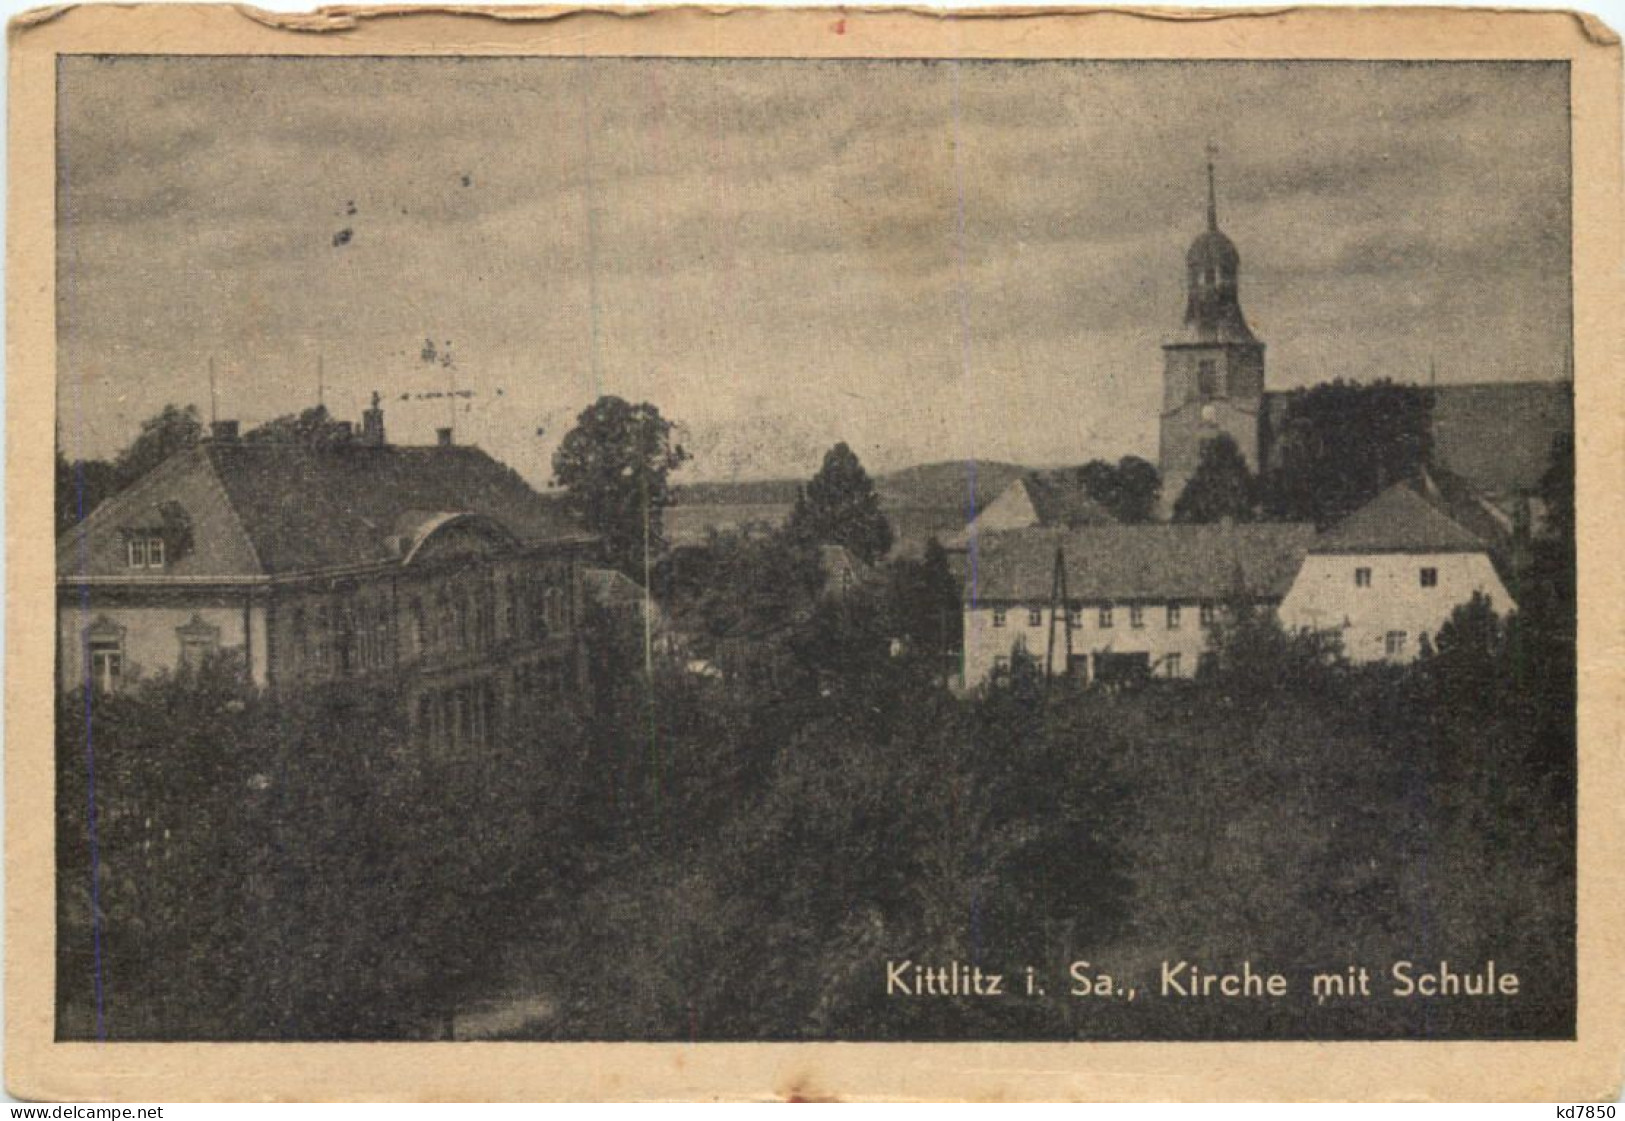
column 1060, row 499
column 1128, row 562
column 1399, row 520
column 1499, row 436
column 306, row 507
column 1463, row 504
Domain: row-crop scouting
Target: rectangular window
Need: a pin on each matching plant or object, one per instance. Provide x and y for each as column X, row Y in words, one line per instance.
column 155, row 552
column 1105, row 616
column 1362, row 577
column 1207, row 377
column 1173, row 616
column 1209, row 614
column 137, row 547
column 1074, row 617
column 998, row 616
column 1393, row 644
column 106, row 664
column 1035, row 616
column 1170, row 666
column 1430, row 578
column 1136, row 615
column 1000, row 663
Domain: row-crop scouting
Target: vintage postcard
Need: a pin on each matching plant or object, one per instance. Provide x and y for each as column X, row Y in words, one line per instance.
column 814, row 554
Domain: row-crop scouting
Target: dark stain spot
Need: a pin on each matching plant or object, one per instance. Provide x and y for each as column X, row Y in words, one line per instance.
column 343, row 237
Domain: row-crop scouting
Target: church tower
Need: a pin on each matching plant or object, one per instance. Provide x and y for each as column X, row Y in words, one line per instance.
column 1213, row 369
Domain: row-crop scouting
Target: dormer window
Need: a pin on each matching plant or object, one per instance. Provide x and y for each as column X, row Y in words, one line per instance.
column 144, row 549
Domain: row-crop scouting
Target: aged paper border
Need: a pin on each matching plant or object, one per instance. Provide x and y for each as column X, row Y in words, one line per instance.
column 1587, row 1068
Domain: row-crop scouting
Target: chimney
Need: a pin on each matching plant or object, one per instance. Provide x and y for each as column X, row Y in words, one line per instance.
column 223, row 431
column 443, row 437
column 372, row 424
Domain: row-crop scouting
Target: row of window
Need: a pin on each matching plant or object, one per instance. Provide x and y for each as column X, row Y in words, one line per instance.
column 1169, row 665
column 456, row 620
column 1107, row 616
column 1427, row 577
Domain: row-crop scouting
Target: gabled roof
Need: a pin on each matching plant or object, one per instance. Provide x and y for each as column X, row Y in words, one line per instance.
column 1149, row 562
column 310, row 507
column 303, row 508
column 1061, row 500
column 1399, row 520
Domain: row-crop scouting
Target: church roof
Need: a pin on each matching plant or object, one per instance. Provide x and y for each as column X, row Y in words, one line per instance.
column 1212, row 247
column 1399, row 520
column 1496, row 436
column 1138, row 562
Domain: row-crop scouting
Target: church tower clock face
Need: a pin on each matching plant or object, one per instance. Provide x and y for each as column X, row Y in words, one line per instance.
column 1213, row 367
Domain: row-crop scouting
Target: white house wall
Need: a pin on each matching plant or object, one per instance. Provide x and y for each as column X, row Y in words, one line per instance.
column 150, row 641
column 986, row 643
column 1326, row 597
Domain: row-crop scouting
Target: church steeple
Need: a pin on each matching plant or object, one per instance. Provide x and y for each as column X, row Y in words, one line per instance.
column 1212, row 195
column 1213, row 368
column 1213, row 279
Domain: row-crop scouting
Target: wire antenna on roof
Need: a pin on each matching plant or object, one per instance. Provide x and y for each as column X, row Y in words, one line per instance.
column 214, row 400
column 321, row 381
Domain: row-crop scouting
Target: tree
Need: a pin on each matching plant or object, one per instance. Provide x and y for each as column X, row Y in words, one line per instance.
column 1223, row 486
column 839, row 506
column 83, row 484
column 314, row 426
column 80, row 488
column 925, row 604
column 173, row 430
column 1129, row 490
column 614, row 465
column 1341, row 443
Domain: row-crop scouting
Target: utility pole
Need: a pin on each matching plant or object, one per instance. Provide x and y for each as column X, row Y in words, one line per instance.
column 1060, row 615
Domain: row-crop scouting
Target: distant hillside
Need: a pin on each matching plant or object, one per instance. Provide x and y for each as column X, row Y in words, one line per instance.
column 930, row 485
column 753, row 492
column 948, row 484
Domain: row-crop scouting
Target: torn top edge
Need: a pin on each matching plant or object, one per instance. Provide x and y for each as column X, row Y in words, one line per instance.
column 349, row 17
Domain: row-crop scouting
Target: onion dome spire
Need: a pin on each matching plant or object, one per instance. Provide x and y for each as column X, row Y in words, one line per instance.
column 1213, row 275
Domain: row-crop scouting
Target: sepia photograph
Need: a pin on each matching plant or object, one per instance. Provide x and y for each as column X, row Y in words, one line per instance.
column 744, row 549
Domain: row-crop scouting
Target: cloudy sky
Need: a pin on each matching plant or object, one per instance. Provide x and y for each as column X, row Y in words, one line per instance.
column 929, row 260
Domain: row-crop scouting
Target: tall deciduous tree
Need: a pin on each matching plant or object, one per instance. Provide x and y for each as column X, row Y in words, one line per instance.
column 1339, row 444
column 174, row 429
column 1223, row 486
column 839, row 506
column 1129, row 489
column 614, row 465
